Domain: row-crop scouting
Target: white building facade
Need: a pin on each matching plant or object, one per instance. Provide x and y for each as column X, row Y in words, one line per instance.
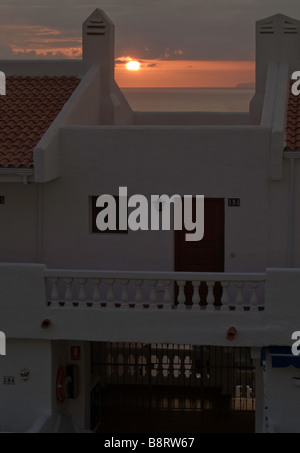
column 66, row 288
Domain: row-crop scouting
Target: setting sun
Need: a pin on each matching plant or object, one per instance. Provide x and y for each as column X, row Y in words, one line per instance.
column 133, row 65
column 184, row 73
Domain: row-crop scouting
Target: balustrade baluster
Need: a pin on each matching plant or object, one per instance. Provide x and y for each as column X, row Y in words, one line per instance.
column 96, row 294
column 124, row 294
column 153, row 295
column 68, row 292
column 239, row 300
column 167, row 295
column 210, row 296
column 54, row 296
column 254, row 297
column 196, row 295
column 82, row 292
column 181, row 295
column 110, row 293
column 138, row 295
column 225, row 298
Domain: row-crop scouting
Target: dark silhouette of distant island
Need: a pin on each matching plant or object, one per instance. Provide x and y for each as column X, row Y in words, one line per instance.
column 246, row 85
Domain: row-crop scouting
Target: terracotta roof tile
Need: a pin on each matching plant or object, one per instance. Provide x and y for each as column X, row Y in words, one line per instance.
column 292, row 129
column 30, row 106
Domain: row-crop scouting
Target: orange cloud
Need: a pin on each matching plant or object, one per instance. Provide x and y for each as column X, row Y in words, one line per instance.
column 51, row 52
column 39, row 41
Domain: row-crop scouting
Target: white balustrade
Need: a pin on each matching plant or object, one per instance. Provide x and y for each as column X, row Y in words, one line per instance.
column 205, row 292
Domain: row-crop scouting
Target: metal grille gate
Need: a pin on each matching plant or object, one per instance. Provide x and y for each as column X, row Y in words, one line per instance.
column 168, row 377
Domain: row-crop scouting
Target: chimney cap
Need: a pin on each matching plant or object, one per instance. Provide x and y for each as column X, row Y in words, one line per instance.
column 97, row 23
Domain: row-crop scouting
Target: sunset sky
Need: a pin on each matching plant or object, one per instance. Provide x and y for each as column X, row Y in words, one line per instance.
column 177, row 42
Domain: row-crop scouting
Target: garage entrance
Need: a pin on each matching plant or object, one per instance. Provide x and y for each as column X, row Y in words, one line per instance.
column 172, row 388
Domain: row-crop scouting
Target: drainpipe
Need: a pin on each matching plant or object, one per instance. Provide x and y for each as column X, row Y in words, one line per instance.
column 292, row 156
column 291, row 213
column 39, row 222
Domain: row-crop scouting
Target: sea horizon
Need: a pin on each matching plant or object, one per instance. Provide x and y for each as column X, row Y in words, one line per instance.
column 186, row 88
column 190, row 99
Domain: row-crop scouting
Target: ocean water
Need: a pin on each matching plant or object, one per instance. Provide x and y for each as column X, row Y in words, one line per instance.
column 189, row 99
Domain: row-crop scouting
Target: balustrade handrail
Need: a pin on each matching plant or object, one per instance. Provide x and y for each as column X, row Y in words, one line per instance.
column 155, row 290
column 154, row 275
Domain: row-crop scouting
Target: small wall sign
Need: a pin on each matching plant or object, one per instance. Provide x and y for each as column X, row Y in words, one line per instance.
column 2, row 199
column 234, row 202
column 8, row 380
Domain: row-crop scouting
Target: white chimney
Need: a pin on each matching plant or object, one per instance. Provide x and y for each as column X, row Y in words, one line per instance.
column 277, row 41
column 98, row 36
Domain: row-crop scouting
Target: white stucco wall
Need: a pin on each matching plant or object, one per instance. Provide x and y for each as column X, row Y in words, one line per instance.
column 220, row 162
column 32, row 405
column 19, row 222
column 282, row 316
column 22, row 403
column 295, row 239
column 282, row 305
column 278, row 221
column 149, row 160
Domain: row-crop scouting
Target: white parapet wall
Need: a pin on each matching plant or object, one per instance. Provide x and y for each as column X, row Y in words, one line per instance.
column 26, row 305
column 282, row 305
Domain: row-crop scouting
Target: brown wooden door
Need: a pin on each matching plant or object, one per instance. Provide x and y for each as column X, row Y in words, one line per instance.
column 206, row 255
